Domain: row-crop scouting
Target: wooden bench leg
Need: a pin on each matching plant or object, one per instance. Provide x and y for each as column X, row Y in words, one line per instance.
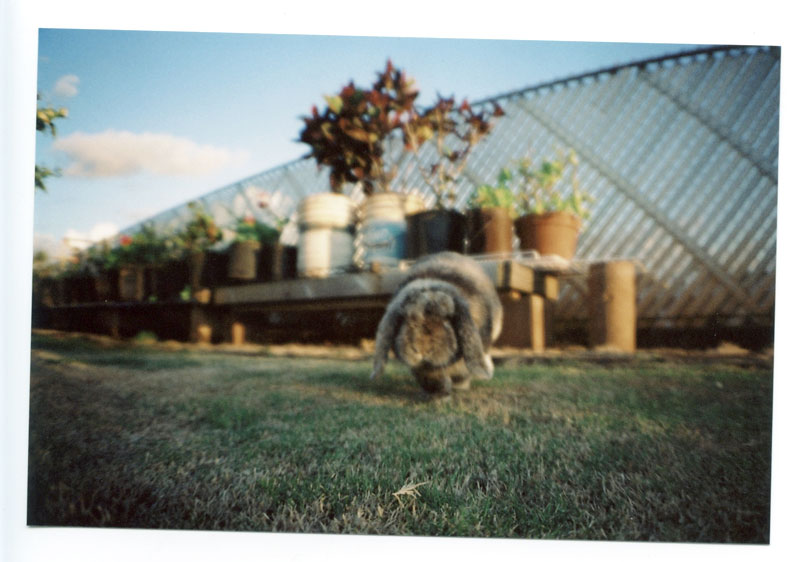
column 114, row 323
column 238, row 333
column 200, row 329
column 523, row 321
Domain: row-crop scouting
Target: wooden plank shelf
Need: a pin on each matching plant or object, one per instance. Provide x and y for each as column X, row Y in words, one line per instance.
column 528, row 285
column 507, row 275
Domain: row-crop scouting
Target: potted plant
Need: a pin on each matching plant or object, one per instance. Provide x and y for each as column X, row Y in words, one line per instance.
column 140, row 255
column 103, row 267
column 198, row 235
column 549, row 221
column 490, row 214
column 454, row 132
column 349, row 137
column 250, row 236
column 276, row 261
column 131, row 273
column 72, row 279
column 48, row 290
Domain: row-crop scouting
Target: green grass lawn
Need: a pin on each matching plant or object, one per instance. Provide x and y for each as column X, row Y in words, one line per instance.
column 654, row 447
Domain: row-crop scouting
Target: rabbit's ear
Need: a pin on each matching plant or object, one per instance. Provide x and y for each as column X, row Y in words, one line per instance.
column 470, row 340
column 384, row 337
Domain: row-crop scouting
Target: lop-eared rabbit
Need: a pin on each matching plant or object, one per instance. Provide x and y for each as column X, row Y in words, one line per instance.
column 441, row 321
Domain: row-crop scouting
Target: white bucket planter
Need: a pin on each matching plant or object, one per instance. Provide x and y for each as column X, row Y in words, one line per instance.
column 325, row 244
column 413, row 204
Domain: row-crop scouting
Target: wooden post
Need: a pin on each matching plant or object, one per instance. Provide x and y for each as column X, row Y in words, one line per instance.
column 237, row 333
column 109, row 320
column 612, row 306
column 523, row 321
column 114, row 323
column 200, row 327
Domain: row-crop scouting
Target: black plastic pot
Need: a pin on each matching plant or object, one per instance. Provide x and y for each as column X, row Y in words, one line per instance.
column 106, row 285
column 215, row 269
column 171, row 279
column 131, row 283
column 277, row 262
column 430, row 232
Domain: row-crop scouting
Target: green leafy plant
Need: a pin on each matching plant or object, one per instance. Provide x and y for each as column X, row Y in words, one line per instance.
column 45, row 120
column 537, row 190
column 455, row 131
column 348, row 135
column 498, row 195
column 250, row 229
column 201, row 232
column 101, row 257
column 44, row 266
column 145, row 247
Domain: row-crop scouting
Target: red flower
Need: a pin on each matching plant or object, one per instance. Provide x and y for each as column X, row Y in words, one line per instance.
column 125, row 240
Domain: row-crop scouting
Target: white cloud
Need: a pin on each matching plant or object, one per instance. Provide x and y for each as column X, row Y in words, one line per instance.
column 50, row 245
column 123, row 153
column 73, row 239
column 67, row 86
column 80, row 240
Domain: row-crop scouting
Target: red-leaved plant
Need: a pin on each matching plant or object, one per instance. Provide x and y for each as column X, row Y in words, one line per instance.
column 348, row 135
column 455, row 130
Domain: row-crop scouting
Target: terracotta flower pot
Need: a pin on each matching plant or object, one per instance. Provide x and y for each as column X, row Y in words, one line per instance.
column 489, row 231
column 553, row 233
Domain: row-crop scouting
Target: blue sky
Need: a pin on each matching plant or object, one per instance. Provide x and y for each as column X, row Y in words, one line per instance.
column 158, row 118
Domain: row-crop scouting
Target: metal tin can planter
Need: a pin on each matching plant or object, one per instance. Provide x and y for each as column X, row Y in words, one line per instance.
column 243, row 260
column 383, row 229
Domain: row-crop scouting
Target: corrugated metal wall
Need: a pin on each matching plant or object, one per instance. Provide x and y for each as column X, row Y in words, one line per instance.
column 680, row 153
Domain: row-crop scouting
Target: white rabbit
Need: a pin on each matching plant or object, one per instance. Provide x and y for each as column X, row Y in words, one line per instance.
column 441, row 322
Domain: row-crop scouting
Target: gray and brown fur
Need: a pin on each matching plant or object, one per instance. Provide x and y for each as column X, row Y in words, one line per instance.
column 441, row 322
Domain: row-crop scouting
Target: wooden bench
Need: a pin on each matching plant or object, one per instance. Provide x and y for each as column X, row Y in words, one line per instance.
column 524, row 286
